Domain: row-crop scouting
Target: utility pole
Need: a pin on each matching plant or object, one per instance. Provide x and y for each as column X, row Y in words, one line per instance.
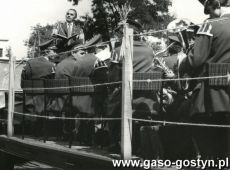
column 127, row 94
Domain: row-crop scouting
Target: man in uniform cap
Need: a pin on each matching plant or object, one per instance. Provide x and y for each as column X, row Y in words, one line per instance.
column 86, row 105
column 210, row 104
column 38, row 68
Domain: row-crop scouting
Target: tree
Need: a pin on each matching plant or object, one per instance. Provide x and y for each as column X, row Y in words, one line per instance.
column 152, row 14
column 88, row 26
column 39, row 35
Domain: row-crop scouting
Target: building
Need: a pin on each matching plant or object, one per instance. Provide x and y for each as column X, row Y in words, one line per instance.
column 4, row 45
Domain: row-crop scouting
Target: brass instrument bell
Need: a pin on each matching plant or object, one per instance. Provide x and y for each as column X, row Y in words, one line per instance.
column 178, row 31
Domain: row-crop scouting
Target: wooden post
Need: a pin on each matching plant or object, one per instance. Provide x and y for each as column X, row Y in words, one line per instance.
column 127, row 90
column 10, row 129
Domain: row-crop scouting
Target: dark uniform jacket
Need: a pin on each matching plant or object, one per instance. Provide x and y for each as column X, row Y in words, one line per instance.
column 85, row 66
column 37, row 68
column 142, row 62
column 211, row 46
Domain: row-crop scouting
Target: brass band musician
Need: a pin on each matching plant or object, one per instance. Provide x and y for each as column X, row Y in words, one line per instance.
column 209, row 104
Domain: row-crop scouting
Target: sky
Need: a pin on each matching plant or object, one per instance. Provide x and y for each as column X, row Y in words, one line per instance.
column 18, row 16
column 190, row 9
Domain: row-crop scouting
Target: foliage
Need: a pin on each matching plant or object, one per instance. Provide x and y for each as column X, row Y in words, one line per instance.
column 39, row 35
column 151, row 14
column 88, row 26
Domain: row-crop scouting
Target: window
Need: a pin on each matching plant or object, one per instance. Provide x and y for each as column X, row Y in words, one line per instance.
column 1, row 52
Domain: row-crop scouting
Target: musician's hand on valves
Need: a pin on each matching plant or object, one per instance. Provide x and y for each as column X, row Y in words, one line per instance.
column 169, row 74
column 167, row 97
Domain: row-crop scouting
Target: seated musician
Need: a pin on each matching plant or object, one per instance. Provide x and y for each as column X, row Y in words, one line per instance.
column 175, row 96
column 181, row 39
column 209, row 104
column 145, row 105
column 35, row 69
column 68, row 34
column 81, row 65
column 40, row 67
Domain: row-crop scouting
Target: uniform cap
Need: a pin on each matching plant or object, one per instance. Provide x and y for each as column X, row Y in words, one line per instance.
column 178, row 25
column 215, row 4
column 225, row 3
column 47, row 45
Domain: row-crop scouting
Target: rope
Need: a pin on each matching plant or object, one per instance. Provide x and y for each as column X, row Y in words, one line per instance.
column 180, row 123
column 63, row 118
column 184, row 27
column 183, row 79
column 69, row 87
column 133, row 119
column 119, row 82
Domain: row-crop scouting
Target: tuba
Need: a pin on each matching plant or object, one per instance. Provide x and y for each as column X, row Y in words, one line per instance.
column 180, row 29
column 184, row 31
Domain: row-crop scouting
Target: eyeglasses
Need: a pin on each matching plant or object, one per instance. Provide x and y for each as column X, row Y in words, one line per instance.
column 69, row 14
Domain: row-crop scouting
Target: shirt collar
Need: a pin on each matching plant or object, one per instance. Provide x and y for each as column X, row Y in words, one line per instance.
column 69, row 24
column 225, row 12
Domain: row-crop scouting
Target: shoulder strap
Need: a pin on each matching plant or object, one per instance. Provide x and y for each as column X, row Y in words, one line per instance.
column 205, row 29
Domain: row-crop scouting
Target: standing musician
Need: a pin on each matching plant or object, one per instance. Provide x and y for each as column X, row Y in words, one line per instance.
column 209, row 104
column 68, row 34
